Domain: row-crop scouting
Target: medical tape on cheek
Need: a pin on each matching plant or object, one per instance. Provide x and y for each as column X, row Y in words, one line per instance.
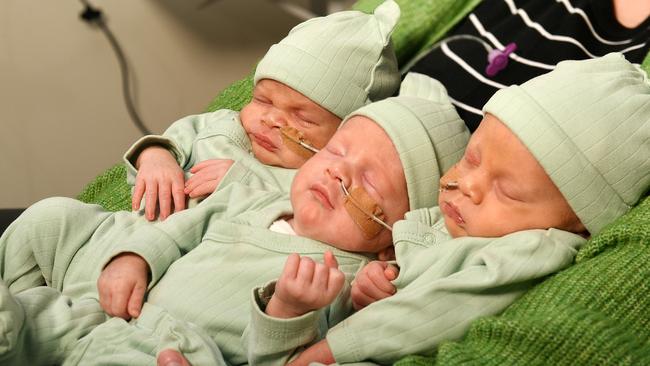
column 361, row 207
column 295, row 141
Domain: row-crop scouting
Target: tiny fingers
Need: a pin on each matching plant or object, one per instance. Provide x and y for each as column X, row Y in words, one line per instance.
column 138, row 192
column 151, row 201
column 379, row 280
column 178, row 195
column 306, row 270
column 203, row 189
column 330, row 260
column 336, row 281
column 291, row 266
column 165, row 201
column 391, row 272
column 136, row 300
column 359, row 299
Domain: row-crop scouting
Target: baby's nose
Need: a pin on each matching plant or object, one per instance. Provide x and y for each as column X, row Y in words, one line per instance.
column 276, row 119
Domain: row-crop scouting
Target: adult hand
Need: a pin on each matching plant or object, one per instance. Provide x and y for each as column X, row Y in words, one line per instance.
column 206, row 177
column 372, row 283
column 160, row 180
column 122, row 285
column 305, row 285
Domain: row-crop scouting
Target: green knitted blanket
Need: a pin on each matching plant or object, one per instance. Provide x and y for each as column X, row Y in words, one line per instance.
column 595, row 312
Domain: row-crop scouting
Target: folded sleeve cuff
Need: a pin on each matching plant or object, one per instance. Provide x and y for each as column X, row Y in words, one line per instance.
column 131, row 155
column 278, row 333
column 344, row 344
column 155, row 247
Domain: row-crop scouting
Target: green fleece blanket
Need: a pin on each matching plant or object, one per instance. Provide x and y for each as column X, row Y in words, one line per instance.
column 595, row 312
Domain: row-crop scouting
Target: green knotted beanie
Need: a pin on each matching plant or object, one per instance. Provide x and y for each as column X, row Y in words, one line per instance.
column 427, row 132
column 341, row 62
column 588, row 125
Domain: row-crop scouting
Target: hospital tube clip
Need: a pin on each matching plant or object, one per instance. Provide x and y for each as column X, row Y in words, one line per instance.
column 297, row 143
column 288, row 133
column 365, row 212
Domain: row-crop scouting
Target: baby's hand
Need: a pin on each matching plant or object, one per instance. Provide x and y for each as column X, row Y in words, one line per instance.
column 305, row 285
column 122, row 285
column 206, row 178
column 372, row 283
column 159, row 180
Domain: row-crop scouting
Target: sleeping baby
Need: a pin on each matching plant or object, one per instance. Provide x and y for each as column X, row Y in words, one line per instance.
column 553, row 162
column 63, row 261
column 324, row 69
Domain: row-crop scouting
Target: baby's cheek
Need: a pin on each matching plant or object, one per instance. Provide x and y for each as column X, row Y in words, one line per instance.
column 248, row 116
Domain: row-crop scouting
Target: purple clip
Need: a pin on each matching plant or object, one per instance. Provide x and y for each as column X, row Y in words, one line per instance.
column 498, row 60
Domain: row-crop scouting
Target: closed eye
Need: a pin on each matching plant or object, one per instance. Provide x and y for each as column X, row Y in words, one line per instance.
column 369, row 183
column 508, row 194
column 306, row 123
column 261, row 100
column 333, row 150
column 304, row 120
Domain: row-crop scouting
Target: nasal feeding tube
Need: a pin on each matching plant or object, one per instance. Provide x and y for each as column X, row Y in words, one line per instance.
column 448, row 185
column 365, row 212
column 295, row 141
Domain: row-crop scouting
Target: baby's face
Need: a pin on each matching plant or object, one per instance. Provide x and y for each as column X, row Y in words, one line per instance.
column 276, row 105
column 501, row 189
column 361, row 155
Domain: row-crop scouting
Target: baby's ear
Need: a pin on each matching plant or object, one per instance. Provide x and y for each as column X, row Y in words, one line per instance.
column 424, row 87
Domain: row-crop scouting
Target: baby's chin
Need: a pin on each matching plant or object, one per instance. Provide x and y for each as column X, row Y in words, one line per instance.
column 268, row 158
column 453, row 230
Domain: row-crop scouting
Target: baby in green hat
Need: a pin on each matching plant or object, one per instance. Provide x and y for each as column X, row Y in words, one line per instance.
column 198, row 267
column 553, row 162
column 324, row 69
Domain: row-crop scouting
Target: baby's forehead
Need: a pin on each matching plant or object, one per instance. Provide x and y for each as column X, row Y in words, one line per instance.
column 363, row 131
column 501, row 150
column 362, row 135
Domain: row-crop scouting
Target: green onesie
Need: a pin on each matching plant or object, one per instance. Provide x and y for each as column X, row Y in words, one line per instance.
column 443, row 285
column 198, row 304
column 214, row 135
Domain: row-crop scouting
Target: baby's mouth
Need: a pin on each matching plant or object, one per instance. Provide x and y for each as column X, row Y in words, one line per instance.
column 322, row 195
column 264, row 142
column 452, row 212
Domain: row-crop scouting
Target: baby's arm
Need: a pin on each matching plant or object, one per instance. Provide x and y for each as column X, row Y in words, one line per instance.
column 373, row 283
column 145, row 252
column 305, row 286
column 155, row 163
column 275, row 333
